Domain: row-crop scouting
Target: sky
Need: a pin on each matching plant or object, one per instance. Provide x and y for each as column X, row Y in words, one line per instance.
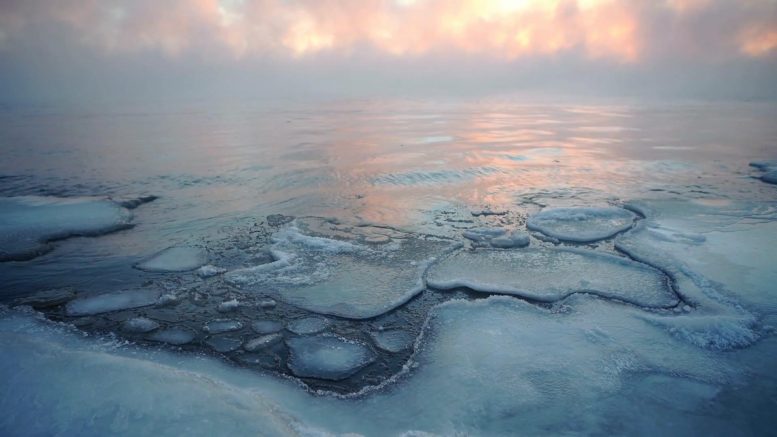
column 113, row 50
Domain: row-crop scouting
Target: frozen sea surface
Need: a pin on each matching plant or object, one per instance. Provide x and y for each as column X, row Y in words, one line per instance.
column 389, row 268
column 29, row 223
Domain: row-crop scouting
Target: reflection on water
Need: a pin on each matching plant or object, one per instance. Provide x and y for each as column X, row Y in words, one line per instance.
column 397, row 163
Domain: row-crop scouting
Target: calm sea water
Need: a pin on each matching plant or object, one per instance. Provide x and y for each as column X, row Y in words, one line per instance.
column 403, row 163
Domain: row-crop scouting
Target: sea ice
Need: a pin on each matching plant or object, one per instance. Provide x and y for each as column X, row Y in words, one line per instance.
column 483, row 234
column 222, row 325
column 266, row 326
column 581, row 225
column 548, row 274
column 308, row 325
column 28, row 223
column 327, row 357
column 340, row 277
column 767, row 165
column 223, row 344
column 139, row 325
column 392, row 340
column 175, row 259
column 513, row 240
column 262, row 342
column 46, row 298
column 114, row 301
column 174, row 336
column 770, row 177
column 717, row 255
column 474, row 357
column 228, row 306
column 208, row 271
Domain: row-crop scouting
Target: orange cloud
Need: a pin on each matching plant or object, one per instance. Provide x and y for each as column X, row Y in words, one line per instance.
column 616, row 30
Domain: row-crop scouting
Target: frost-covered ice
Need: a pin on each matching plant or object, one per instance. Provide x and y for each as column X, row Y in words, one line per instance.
column 476, row 356
column 718, row 256
column 308, row 325
column 392, row 340
column 208, row 271
column 114, row 301
column 266, row 326
column 139, row 325
column 262, row 342
column 222, row 325
column 174, row 336
column 28, row 223
column 175, row 259
column 581, row 225
column 547, row 274
column 327, row 357
column 342, row 277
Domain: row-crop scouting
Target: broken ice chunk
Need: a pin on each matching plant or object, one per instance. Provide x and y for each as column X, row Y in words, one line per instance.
column 103, row 303
column 262, row 342
column 308, row 325
column 208, row 271
column 392, row 340
column 510, row 241
column 139, row 325
column 223, row 344
column 229, row 305
column 483, row 234
column 174, row 336
column 175, row 259
column 222, row 325
column 266, row 326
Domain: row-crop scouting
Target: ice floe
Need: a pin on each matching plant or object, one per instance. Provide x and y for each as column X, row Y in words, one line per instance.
column 581, row 225
column 139, row 325
column 262, row 342
column 228, row 306
column 174, row 336
column 548, row 274
column 175, row 259
column 308, row 325
column 114, row 301
column 770, row 177
column 327, row 357
column 266, row 326
column 28, row 223
column 510, row 241
column 483, row 234
column 392, row 340
column 342, row 277
column 208, row 271
column 222, row 325
column 223, row 344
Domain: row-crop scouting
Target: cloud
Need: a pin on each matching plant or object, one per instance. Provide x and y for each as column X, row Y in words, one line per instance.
column 500, row 41
column 625, row 31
